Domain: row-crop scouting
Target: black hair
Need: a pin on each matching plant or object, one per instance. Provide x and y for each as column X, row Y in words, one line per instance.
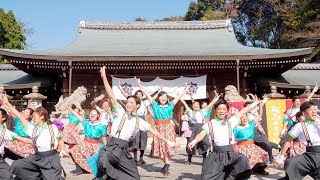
column 298, row 114
column 4, row 114
column 204, row 102
column 295, row 98
column 196, row 102
column 247, row 103
column 219, row 102
column 138, row 101
column 138, row 91
column 160, row 94
column 31, row 113
column 306, row 105
column 43, row 112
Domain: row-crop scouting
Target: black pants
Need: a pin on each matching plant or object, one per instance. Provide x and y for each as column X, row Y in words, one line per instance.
column 300, row 166
column 262, row 141
column 43, row 165
column 5, row 172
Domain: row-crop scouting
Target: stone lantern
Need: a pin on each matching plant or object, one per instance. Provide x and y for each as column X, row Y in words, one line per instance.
column 274, row 94
column 35, row 98
column 2, row 91
column 307, row 92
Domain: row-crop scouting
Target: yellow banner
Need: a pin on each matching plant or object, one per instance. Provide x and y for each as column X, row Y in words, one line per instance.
column 275, row 111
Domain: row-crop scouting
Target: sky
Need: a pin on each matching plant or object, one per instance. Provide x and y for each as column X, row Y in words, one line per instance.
column 55, row 23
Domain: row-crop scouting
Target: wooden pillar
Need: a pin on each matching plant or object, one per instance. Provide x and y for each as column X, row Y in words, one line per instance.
column 70, row 77
column 65, row 87
column 238, row 75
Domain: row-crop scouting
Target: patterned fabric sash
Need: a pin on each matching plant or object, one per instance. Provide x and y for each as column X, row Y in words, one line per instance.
column 3, row 132
column 306, row 134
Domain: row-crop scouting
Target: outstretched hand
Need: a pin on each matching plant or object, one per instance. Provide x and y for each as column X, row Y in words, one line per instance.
column 103, row 71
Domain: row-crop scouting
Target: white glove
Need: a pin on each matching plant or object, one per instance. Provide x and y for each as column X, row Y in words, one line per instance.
column 315, row 89
column 279, row 159
column 170, row 143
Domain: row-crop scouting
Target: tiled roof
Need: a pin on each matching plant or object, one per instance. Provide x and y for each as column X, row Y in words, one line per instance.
column 157, row 25
column 307, row 66
column 7, row 67
column 179, row 39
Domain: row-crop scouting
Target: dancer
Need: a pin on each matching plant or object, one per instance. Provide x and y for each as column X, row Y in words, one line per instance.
column 140, row 140
column 104, row 109
column 244, row 134
column 222, row 162
column 296, row 147
column 308, row 133
column 289, row 120
column 5, row 136
column 17, row 149
column 115, row 159
column 163, row 110
column 197, row 120
column 260, row 136
column 71, row 134
column 93, row 130
column 45, row 163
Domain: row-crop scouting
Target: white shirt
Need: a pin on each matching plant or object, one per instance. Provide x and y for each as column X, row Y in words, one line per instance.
column 291, row 114
column 8, row 136
column 105, row 117
column 43, row 137
column 129, row 125
column 196, row 116
column 313, row 128
column 142, row 111
column 221, row 130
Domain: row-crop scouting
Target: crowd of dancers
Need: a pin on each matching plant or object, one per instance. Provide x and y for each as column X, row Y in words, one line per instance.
column 231, row 145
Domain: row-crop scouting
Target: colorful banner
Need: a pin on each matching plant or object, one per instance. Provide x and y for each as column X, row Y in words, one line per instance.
column 172, row 87
column 275, row 112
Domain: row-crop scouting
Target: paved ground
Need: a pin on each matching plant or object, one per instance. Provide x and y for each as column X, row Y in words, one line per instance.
column 178, row 169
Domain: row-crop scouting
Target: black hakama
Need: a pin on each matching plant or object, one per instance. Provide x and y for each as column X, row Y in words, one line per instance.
column 41, row 165
column 307, row 163
column 139, row 141
column 5, row 173
column 223, row 162
column 262, row 141
column 203, row 146
column 116, row 162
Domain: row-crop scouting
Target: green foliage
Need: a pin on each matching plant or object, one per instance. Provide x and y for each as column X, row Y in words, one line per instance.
column 172, row 18
column 140, row 19
column 211, row 15
column 11, row 32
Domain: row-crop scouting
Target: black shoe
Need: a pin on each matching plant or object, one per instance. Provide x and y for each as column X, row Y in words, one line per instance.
column 141, row 161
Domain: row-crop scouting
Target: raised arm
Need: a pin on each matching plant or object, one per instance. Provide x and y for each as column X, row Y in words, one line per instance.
column 150, row 99
column 75, row 114
column 6, row 102
column 121, row 89
column 96, row 99
column 262, row 103
column 175, row 100
column 107, row 86
column 185, row 105
column 315, row 89
column 250, row 107
column 214, row 100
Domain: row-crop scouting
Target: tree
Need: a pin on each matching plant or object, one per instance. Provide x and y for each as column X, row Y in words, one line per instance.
column 140, row 19
column 11, row 31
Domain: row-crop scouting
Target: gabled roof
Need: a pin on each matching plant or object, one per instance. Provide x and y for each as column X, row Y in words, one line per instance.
column 208, row 40
column 303, row 74
column 12, row 78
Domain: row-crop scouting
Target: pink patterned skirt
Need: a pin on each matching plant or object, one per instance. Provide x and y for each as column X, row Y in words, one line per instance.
column 71, row 134
column 254, row 153
column 84, row 150
column 20, row 148
column 160, row 148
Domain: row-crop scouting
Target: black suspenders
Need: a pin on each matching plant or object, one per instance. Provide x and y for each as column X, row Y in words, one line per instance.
column 34, row 140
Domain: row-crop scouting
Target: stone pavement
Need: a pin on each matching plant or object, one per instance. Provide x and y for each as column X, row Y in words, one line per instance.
column 178, row 169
